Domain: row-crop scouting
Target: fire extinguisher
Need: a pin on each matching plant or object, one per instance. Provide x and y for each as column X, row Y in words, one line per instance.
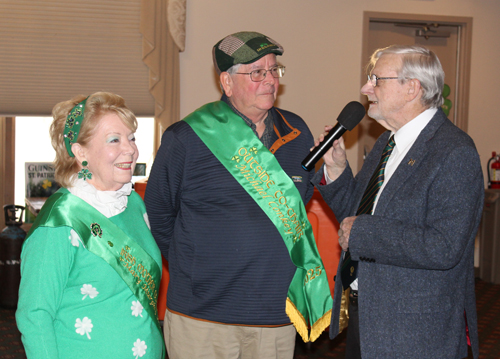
column 494, row 171
column 11, row 242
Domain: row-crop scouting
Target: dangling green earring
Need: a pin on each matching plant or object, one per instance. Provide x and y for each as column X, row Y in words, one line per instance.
column 84, row 172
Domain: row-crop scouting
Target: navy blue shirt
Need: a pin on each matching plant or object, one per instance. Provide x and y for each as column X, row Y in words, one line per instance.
column 227, row 261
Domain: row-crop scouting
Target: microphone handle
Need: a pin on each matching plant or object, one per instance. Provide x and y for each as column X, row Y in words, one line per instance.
column 318, row 152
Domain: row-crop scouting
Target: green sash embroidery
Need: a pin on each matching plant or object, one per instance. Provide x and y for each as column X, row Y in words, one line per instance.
column 233, row 142
column 103, row 238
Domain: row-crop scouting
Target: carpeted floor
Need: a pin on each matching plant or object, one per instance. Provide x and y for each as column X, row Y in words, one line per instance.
column 10, row 338
column 488, row 309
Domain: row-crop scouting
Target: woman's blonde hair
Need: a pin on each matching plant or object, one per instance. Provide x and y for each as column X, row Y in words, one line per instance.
column 97, row 105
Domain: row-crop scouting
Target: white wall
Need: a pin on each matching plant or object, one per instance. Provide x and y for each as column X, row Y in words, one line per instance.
column 322, row 41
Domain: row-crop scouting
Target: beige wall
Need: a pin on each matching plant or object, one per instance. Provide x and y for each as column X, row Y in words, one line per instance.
column 322, row 41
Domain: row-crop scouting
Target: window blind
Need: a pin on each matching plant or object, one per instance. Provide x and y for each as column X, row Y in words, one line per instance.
column 52, row 50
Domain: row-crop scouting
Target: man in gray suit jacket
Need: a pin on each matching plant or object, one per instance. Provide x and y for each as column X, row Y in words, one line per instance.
column 413, row 295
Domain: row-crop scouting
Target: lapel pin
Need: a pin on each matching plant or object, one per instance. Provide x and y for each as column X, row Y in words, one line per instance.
column 411, row 162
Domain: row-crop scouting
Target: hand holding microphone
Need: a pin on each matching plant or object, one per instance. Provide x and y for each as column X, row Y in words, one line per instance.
column 350, row 116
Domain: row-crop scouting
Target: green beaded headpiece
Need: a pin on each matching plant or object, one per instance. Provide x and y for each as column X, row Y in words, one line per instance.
column 73, row 124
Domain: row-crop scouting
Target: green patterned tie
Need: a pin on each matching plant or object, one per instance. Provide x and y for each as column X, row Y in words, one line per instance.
column 350, row 267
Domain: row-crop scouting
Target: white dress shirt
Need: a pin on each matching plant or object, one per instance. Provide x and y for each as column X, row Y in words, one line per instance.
column 405, row 137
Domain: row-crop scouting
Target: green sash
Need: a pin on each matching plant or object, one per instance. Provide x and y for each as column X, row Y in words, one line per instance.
column 102, row 237
column 233, row 142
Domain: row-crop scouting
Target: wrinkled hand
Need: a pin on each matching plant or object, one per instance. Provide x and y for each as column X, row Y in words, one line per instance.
column 335, row 158
column 345, row 232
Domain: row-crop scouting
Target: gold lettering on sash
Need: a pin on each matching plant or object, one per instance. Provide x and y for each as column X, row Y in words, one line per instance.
column 142, row 276
column 312, row 274
column 261, row 182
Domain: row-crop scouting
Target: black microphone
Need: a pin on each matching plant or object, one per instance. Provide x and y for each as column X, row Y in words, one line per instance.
column 351, row 115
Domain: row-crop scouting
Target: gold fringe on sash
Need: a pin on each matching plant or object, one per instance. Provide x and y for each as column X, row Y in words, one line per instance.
column 297, row 319
column 320, row 325
column 344, row 310
column 300, row 323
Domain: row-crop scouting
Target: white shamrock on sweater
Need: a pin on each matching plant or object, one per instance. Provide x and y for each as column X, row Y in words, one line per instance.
column 84, row 326
column 136, row 308
column 139, row 348
column 74, row 238
column 87, row 289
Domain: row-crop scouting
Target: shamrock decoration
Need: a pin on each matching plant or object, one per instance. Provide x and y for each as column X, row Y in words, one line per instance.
column 70, row 136
column 139, row 348
column 235, row 158
column 88, row 290
column 254, row 150
column 74, row 238
column 70, row 122
column 136, row 308
column 46, row 184
column 77, row 111
column 85, row 174
column 84, row 326
column 96, row 230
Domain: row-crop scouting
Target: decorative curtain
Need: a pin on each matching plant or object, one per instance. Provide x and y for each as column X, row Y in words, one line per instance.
column 7, row 164
column 163, row 26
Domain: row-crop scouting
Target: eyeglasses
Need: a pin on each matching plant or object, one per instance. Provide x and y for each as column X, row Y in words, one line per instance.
column 260, row 74
column 373, row 79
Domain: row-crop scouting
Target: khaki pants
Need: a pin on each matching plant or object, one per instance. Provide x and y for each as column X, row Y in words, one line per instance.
column 187, row 338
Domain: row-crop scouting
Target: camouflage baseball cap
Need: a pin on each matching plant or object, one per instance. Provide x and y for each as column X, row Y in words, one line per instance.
column 243, row 48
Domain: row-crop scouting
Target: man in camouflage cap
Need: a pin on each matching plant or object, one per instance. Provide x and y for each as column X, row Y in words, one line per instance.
column 230, row 269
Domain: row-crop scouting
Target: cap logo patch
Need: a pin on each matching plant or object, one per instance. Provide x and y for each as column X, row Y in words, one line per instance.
column 265, row 46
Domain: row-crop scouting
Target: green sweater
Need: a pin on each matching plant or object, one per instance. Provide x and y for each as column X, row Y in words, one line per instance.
column 72, row 304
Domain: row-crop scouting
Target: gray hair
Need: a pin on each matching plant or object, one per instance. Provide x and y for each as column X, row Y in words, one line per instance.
column 231, row 71
column 417, row 63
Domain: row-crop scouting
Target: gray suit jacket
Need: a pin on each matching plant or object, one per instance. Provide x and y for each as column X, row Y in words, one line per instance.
column 416, row 252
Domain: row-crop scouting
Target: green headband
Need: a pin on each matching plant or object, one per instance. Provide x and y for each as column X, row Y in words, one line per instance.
column 73, row 124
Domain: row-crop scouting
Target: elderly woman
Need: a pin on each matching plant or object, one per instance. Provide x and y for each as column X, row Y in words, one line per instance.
column 90, row 267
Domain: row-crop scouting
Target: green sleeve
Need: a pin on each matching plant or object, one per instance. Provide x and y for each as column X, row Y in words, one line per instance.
column 46, row 261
